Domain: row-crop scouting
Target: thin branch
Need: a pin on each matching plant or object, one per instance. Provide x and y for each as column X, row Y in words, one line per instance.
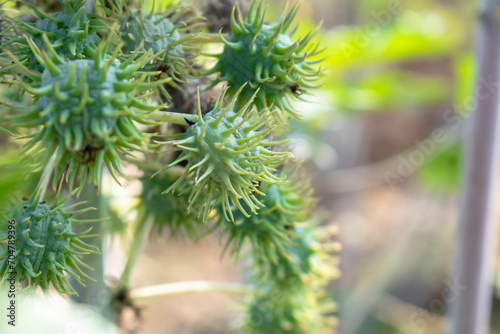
column 171, row 117
column 145, row 163
column 190, row 287
column 155, row 165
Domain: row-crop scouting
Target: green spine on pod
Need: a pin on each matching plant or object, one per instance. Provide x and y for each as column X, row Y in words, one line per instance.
column 38, row 244
column 85, row 112
column 291, row 256
column 227, row 158
column 266, row 57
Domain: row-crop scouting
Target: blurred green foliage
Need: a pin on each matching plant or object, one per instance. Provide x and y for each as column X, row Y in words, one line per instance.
column 400, row 57
column 371, row 65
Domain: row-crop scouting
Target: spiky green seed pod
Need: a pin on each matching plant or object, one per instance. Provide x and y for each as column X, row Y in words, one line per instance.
column 290, row 308
column 266, row 57
column 296, row 301
column 291, row 256
column 85, row 112
column 170, row 35
column 39, row 247
column 227, row 157
column 167, row 211
column 270, row 233
column 71, row 33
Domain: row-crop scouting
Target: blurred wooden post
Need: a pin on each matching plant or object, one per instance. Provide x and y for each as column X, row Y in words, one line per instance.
column 477, row 234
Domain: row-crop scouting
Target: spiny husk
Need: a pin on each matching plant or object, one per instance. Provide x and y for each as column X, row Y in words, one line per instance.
column 167, row 211
column 297, row 303
column 39, row 247
column 291, row 259
column 70, row 32
column 227, row 157
column 170, row 34
column 270, row 233
column 84, row 112
column 266, row 56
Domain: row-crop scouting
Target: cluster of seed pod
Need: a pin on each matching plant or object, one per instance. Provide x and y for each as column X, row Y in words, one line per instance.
column 88, row 91
column 170, row 35
column 85, row 110
column 297, row 301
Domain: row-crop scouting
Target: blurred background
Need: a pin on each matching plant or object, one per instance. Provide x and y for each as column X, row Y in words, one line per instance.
column 382, row 143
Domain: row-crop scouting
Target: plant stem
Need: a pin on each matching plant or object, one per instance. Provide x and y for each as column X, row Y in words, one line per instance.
column 140, row 235
column 477, row 237
column 95, row 292
column 189, row 287
column 171, row 117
